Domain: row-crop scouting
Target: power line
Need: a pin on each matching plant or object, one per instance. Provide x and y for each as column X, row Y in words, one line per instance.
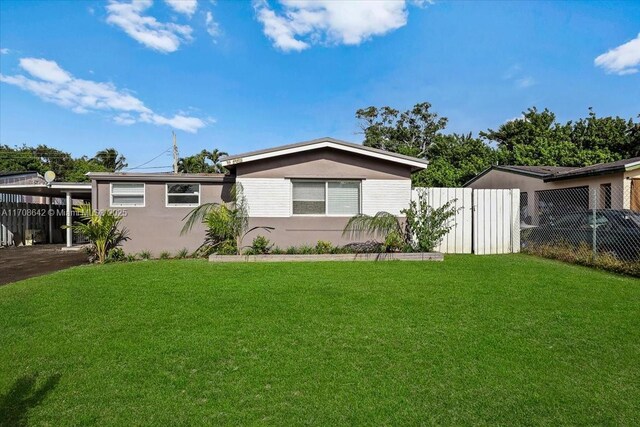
column 147, row 162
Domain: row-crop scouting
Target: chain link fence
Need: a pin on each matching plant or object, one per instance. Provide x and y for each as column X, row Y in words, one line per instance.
column 597, row 226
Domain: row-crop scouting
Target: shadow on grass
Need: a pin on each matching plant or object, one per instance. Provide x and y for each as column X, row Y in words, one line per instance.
column 23, row 396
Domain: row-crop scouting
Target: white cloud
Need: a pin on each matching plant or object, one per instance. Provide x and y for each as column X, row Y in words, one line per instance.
column 4, row 51
column 621, row 60
column 51, row 83
column 212, row 26
column 302, row 23
column 188, row 7
column 147, row 30
column 525, row 82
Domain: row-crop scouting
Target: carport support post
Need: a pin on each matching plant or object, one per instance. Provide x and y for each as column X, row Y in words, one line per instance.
column 50, row 213
column 69, row 232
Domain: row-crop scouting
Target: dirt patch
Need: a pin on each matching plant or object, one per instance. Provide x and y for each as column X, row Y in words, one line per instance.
column 30, row 261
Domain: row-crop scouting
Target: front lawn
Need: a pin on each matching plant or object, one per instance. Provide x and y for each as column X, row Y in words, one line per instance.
column 507, row 339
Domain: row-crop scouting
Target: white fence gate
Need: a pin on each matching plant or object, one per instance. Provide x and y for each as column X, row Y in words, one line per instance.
column 486, row 221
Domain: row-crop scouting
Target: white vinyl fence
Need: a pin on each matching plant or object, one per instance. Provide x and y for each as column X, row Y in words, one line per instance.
column 485, row 222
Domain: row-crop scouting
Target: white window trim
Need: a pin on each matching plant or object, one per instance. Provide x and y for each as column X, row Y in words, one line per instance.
column 326, row 197
column 181, row 205
column 128, row 205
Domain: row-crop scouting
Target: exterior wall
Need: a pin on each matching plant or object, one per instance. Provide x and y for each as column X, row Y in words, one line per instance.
column 505, row 180
column 156, row 227
column 385, row 186
column 324, row 163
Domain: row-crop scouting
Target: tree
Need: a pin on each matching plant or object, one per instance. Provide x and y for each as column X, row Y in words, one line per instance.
column 110, row 159
column 409, row 132
column 203, row 162
column 453, row 160
column 536, row 139
column 227, row 224
column 102, row 230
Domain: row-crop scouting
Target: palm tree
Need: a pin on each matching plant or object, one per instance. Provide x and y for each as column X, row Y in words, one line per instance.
column 227, row 224
column 102, row 230
column 203, row 162
column 111, row 159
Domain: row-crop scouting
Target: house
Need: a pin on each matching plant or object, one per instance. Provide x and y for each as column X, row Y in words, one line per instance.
column 614, row 185
column 305, row 191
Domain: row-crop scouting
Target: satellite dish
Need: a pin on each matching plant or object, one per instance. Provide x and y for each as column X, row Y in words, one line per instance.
column 49, row 176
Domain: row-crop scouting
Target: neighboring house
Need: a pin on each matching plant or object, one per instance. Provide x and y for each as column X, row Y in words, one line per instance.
column 306, row 191
column 616, row 185
column 21, row 178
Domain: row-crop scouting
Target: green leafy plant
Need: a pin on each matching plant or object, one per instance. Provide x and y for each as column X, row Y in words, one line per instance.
column 165, row 255
column 422, row 229
column 183, row 253
column 260, row 246
column 130, row 257
column 323, row 247
column 102, row 230
column 145, row 255
column 227, row 224
column 115, row 255
column 427, row 225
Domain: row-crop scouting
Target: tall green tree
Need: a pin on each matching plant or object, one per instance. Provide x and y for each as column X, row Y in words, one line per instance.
column 203, row 162
column 408, row 132
column 418, row 132
column 453, row 160
column 110, row 159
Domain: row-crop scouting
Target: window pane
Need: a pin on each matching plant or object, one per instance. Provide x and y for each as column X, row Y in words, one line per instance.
column 127, row 188
column 183, row 199
column 183, row 188
column 308, row 198
column 127, row 200
column 308, row 207
column 344, row 198
column 312, row 190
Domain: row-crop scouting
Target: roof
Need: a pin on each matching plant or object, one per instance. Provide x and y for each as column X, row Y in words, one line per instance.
column 558, row 173
column 158, row 177
column 599, row 169
column 13, row 173
column 55, row 189
column 326, row 142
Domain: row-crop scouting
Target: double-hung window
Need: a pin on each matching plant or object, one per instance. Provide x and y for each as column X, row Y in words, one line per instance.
column 127, row 194
column 183, row 195
column 337, row 198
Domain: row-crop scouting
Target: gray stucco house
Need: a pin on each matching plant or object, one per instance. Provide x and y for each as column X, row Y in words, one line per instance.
column 306, row 191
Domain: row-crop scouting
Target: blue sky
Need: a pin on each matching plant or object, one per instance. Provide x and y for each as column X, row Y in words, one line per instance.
column 82, row 75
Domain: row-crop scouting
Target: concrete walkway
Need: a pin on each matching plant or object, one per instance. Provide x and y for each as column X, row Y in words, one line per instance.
column 17, row 263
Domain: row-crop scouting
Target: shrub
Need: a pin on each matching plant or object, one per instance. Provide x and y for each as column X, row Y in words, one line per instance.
column 145, row 255
column 116, row 254
column 227, row 224
column 101, row 229
column 323, row 247
column 291, row 250
column 260, row 246
column 165, row 255
column 130, row 257
column 422, row 230
column 183, row 253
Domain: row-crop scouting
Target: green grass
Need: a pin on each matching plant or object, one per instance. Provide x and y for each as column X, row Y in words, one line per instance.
column 472, row 340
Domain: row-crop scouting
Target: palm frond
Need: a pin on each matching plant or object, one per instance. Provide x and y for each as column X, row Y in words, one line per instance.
column 380, row 225
column 197, row 216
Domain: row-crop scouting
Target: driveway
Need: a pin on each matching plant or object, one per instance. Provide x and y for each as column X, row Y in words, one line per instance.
column 29, row 261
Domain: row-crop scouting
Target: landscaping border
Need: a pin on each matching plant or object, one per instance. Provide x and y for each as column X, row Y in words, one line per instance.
column 392, row 256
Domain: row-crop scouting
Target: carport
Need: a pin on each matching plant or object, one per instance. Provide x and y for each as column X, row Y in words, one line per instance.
column 69, row 191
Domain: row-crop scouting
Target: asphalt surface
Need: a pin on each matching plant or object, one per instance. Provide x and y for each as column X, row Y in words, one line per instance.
column 17, row 263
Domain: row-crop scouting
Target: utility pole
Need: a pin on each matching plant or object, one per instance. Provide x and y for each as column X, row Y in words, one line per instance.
column 175, row 153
